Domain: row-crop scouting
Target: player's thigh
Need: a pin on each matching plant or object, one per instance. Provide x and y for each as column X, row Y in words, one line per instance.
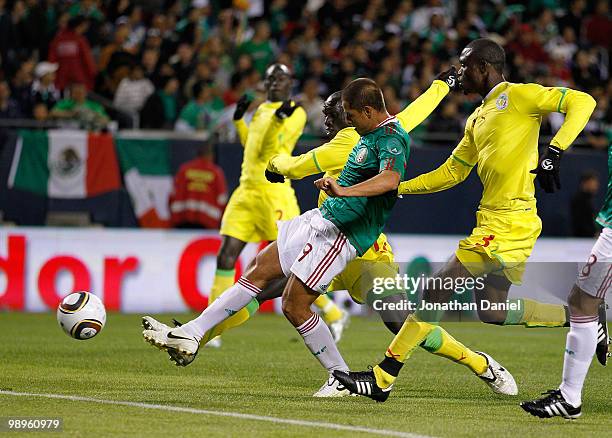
column 240, row 215
column 435, row 290
column 267, row 267
column 495, row 290
column 595, row 277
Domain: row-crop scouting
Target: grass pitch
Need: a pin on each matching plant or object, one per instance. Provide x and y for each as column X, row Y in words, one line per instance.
column 264, row 369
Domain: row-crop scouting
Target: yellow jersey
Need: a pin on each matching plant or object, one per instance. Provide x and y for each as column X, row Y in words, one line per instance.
column 501, row 137
column 264, row 137
column 331, row 157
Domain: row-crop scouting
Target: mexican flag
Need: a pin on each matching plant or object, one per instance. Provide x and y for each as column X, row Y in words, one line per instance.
column 64, row 164
column 145, row 164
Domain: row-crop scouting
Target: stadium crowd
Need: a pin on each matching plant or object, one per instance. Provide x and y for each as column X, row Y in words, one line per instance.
column 179, row 64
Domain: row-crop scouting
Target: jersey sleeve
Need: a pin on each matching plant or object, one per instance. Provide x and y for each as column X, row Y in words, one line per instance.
column 327, row 157
column 392, row 154
column 454, row 170
column 534, row 99
column 414, row 114
column 243, row 131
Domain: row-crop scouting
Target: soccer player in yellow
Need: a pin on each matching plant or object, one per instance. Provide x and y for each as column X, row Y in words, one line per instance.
column 501, row 138
column 256, row 204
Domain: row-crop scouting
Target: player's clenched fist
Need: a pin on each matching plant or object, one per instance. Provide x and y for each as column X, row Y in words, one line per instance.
column 450, row 77
column 274, row 177
column 329, row 186
column 547, row 172
column 242, row 106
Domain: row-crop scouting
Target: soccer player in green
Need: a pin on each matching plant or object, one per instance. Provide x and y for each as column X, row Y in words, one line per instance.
column 316, row 246
column 585, row 299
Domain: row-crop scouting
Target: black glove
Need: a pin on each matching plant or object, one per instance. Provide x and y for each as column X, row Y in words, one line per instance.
column 274, row 177
column 242, row 106
column 286, row 109
column 547, row 172
column 450, row 77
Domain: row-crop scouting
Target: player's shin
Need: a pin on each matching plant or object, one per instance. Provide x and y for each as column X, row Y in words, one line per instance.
column 234, row 321
column 412, row 334
column 224, row 279
column 441, row 343
column 532, row 313
column 227, row 305
column 320, row 342
column 329, row 310
column 579, row 350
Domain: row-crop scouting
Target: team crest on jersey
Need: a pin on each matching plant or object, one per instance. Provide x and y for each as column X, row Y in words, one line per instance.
column 502, row 101
column 361, row 155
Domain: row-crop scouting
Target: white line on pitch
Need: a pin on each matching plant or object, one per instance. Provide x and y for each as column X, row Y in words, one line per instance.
column 277, row 420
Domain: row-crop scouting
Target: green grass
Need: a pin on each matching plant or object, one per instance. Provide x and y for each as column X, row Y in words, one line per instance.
column 264, row 368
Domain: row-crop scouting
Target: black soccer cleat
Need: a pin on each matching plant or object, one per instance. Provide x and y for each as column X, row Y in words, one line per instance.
column 553, row 405
column 363, row 383
column 602, row 351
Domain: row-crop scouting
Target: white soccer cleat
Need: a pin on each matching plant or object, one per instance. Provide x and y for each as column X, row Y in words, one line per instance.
column 337, row 328
column 332, row 388
column 497, row 377
column 176, row 339
column 150, row 323
column 214, row 342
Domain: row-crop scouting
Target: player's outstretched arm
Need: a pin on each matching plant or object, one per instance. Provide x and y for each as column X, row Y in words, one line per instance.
column 241, row 127
column 454, row 170
column 328, row 157
column 385, row 181
column 414, row 114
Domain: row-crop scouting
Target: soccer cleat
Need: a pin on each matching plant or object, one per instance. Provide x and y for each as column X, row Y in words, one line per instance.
column 363, row 383
column 176, row 339
column 332, row 388
column 553, row 405
column 337, row 327
column 180, row 359
column 602, row 350
column 497, row 377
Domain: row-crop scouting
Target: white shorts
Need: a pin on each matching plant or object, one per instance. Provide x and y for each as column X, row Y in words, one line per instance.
column 314, row 249
column 595, row 277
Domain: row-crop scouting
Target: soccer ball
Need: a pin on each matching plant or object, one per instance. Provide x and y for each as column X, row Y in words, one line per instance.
column 82, row 315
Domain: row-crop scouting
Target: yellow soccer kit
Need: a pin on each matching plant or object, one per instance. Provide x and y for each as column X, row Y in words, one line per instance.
column 501, row 137
column 330, row 158
column 257, row 204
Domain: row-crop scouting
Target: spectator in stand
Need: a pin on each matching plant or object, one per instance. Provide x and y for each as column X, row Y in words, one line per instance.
column 133, row 91
column 585, row 71
column 200, row 193
column 313, row 105
column 161, row 108
column 202, row 111
column 574, row 17
column 9, row 108
column 259, row 48
column 71, row 51
column 118, row 44
column 446, row 120
column 581, row 207
column 43, row 88
column 89, row 114
column 599, row 26
column 40, row 112
column 150, row 64
column 21, row 86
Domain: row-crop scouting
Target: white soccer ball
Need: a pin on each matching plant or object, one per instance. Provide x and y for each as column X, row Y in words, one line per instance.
column 82, row 315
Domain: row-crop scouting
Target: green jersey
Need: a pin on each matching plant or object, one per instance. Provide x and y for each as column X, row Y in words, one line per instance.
column 362, row 219
column 604, row 218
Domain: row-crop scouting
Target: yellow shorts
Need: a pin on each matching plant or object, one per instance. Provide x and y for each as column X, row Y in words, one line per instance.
column 251, row 213
column 358, row 276
column 500, row 244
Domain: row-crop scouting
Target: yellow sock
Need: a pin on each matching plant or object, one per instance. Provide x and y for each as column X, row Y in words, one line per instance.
column 441, row 343
column 383, row 379
column 224, row 279
column 329, row 310
column 235, row 320
column 532, row 313
column 410, row 336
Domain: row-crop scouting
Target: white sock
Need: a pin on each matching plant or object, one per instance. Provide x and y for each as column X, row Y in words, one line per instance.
column 228, row 303
column 319, row 341
column 579, row 351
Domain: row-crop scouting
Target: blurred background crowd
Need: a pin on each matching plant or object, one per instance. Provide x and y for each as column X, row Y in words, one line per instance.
column 182, row 64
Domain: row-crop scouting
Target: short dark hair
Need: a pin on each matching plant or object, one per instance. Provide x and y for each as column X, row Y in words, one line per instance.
column 490, row 52
column 363, row 92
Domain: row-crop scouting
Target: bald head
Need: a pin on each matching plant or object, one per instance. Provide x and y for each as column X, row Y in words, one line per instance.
column 278, row 82
column 486, row 50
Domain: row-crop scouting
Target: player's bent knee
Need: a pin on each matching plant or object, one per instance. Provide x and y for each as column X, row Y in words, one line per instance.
column 497, row 317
